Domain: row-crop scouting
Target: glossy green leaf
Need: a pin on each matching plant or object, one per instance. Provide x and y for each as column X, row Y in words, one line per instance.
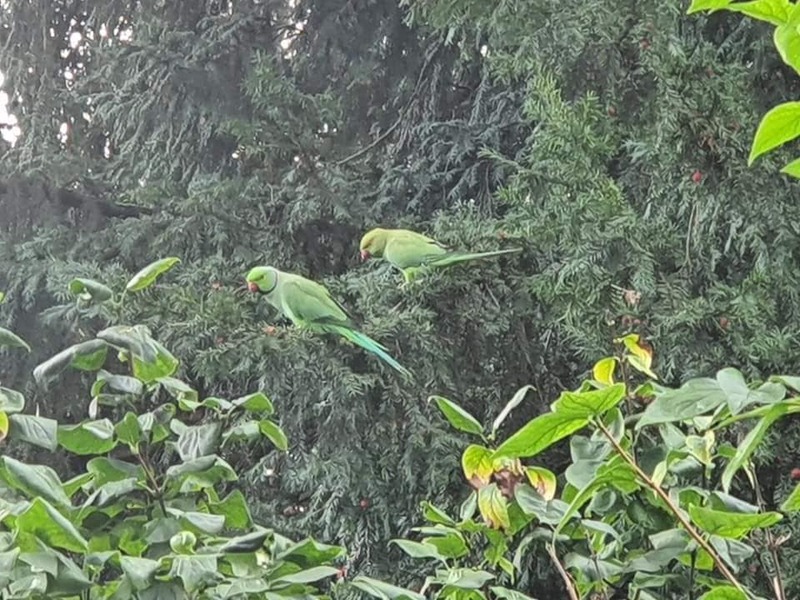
column 90, row 290
column 50, row 526
column 695, row 397
column 539, row 434
column 418, row 550
column 90, row 437
column 782, row 123
column 12, row 340
column 235, row 510
column 194, row 571
column 493, row 506
column 457, row 416
column 129, row 431
column 730, row 524
column 257, row 402
column 775, row 12
column 384, row 591
column 178, row 389
column 308, row 575
column 476, row 461
column 140, row 571
column 11, row 401
column 750, row 443
column 39, row 431
column 274, row 433
column 507, row 594
column 34, row 480
column 792, row 503
column 86, row 356
column 792, row 169
column 515, row 401
column 105, row 470
column 147, row 276
column 199, row 440
column 723, row 592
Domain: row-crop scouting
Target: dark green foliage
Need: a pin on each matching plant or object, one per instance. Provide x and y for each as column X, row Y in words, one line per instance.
column 576, row 136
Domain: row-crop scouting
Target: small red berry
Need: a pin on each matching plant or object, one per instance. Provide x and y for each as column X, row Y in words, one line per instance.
column 697, row 177
column 795, row 474
column 364, row 504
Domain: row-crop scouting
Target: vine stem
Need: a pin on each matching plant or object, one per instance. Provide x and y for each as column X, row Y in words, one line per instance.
column 771, row 545
column 693, row 533
column 573, row 594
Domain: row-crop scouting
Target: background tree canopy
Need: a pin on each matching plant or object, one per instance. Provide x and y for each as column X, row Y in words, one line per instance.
column 607, row 139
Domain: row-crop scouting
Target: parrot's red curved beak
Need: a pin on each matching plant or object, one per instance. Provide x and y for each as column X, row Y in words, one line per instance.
column 252, row 287
column 364, row 255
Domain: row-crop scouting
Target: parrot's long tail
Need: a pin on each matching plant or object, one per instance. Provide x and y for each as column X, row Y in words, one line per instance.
column 370, row 345
column 457, row 257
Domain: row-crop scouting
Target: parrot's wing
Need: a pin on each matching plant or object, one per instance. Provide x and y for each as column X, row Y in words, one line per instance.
column 312, row 303
column 414, row 250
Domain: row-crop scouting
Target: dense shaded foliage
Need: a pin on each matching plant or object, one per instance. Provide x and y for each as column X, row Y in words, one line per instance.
column 608, row 140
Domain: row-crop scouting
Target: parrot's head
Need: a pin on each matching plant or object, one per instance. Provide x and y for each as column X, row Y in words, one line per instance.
column 373, row 243
column 262, row 279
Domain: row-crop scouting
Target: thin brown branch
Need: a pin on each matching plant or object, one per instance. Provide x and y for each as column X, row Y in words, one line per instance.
column 402, row 115
column 772, row 546
column 573, row 593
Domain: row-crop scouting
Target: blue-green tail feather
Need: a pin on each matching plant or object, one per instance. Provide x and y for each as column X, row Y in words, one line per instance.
column 370, row 345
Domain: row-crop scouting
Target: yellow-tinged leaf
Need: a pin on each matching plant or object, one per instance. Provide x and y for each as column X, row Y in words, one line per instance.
column 603, row 370
column 543, row 481
column 702, row 447
column 3, row 425
column 477, row 462
column 493, row 507
column 641, row 366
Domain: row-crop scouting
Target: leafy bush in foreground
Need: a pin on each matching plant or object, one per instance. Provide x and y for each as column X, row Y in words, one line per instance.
column 646, row 508
column 153, row 515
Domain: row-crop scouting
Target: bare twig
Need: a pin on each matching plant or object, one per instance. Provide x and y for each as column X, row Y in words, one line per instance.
column 399, row 120
column 780, row 594
column 573, row 593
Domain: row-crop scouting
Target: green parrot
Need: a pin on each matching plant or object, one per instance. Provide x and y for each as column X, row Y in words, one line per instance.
column 410, row 251
column 309, row 305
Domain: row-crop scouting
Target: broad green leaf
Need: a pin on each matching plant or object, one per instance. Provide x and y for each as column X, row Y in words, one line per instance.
column 476, row 461
column 418, row 550
column 183, row 542
column 510, row 405
column 249, row 542
column 178, row 389
column 194, row 571
column 723, row 592
column 274, row 433
column 90, row 437
column 106, row 470
column 451, row 545
column 539, row 434
column 792, row 169
column 733, row 552
column 12, row 340
column 739, row 396
column 32, row 586
column 457, row 416
column 147, row 276
column 247, row 432
column 199, row 440
column 38, row 431
column 86, row 356
column 3, row 426
column 384, row 591
column 493, row 507
column 305, row 553
column 257, row 402
column 589, row 404
column 50, row 526
column 34, row 480
column 702, row 447
column 603, row 370
column 435, row 514
column 463, row 578
column 129, row 432
column 119, row 383
column 308, row 575
column 751, row 442
column 532, row 503
column 163, row 365
column 198, row 521
column 11, row 401
column 140, row 571
column 197, row 474
column 114, row 490
column 235, row 510
column 782, row 123
column 90, row 290
column 7, row 561
column 772, row 11
column 592, row 568
column 507, row 594
column 730, row 524
column 792, row 503
column 693, row 398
